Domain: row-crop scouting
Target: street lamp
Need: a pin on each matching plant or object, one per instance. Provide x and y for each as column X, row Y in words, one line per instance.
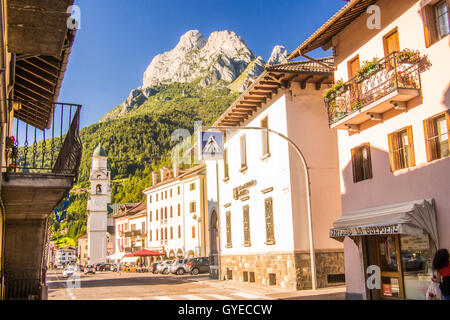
column 307, row 185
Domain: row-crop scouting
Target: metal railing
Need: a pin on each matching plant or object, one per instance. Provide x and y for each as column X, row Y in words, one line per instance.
column 55, row 149
column 387, row 75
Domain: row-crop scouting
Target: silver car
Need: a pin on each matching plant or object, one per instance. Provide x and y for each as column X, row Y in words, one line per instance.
column 179, row 266
column 163, row 267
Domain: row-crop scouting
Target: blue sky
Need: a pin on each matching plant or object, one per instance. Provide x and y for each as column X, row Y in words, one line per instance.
column 118, row 39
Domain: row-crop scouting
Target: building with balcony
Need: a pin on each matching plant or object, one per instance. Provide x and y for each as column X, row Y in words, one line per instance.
column 176, row 207
column 390, row 108
column 267, row 234
column 64, row 256
column 40, row 149
column 130, row 221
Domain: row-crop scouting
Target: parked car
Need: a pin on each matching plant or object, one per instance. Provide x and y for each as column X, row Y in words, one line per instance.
column 163, row 267
column 113, row 267
column 103, row 267
column 198, row 265
column 179, row 266
column 89, row 269
column 153, row 267
column 69, row 271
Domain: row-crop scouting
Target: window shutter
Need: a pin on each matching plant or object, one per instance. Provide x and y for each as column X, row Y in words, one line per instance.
column 354, row 165
column 447, row 113
column 391, row 151
column 369, row 160
column 412, row 158
column 429, row 25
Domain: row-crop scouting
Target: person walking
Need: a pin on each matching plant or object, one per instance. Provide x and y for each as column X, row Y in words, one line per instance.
column 441, row 270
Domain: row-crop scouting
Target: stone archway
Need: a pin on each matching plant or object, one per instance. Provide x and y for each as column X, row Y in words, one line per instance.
column 171, row 254
column 214, row 233
column 180, row 253
column 191, row 254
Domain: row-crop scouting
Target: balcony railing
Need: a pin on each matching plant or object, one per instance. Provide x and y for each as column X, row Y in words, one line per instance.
column 389, row 74
column 32, row 148
column 133, row 233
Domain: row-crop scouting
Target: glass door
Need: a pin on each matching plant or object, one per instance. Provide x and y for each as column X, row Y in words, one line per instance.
column 389, row 260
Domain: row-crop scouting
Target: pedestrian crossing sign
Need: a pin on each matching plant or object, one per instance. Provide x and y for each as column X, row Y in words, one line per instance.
column 211, row 145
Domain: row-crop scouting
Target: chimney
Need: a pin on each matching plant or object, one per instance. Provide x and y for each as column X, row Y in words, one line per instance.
column 176, row 170
column 155, row 177
column 163, row 172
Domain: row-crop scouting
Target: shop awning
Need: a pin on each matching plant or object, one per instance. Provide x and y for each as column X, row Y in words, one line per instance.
column 129, row 260
column 411, row 218
column 116, row 256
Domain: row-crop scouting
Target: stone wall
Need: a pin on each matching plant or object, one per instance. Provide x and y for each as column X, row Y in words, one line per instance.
column 290, row 271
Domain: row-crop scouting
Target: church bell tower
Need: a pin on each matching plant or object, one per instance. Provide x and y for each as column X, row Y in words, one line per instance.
column 97, row 206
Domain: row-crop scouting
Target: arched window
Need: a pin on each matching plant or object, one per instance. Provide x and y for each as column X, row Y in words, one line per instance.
column 98, row 189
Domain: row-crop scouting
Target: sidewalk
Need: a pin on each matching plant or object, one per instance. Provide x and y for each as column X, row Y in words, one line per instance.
column 334, row 293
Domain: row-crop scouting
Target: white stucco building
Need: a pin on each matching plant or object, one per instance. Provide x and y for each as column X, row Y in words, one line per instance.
column 176, row 212
column 263, row 212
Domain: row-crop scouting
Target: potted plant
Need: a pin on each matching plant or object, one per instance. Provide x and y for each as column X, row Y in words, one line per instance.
column 11, row 147
column 369, row 68
column 329, row 95
column 408, row 56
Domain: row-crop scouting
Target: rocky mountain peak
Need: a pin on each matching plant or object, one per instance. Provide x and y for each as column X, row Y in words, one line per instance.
column 279, row 55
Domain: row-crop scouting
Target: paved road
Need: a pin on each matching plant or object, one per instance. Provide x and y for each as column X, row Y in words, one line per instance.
column 142, row 286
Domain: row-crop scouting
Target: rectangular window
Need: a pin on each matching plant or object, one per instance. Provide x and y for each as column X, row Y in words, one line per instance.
column 150, row 199
column 246, row 217
column 436, row 21
column 179, row 231
column 437, row 130
column 391, row 42
column 243, row 152
column 151, row 235
column 171, row 233
column 192, row 206
column 179, row 190
column 228, row 226
column 171, row 211
column 265, row 137
column 270, row 231
column 156, row 215
column 151, row 216
column 362, row 163
column 179, row 210
column 193, row 232
column 225, row 164
column 143, row 227
column 156, row 197
column 192, row 187
column 171, row 193
column 401, row 149
column 157, row 235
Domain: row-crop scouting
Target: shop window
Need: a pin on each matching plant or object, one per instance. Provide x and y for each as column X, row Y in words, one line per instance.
column 336, row 278
column 401, row 149
column 437, row 130
column 361, row 163
column 435, row 18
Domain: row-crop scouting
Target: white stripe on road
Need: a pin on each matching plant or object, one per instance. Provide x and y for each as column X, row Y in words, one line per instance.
column 163, row 298
column 219, row 297
column 192, row 297
column 246, row 295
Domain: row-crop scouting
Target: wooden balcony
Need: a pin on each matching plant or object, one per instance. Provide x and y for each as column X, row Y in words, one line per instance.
column 383, row 92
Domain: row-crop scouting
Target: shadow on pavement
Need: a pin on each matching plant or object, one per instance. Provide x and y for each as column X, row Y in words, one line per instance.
column 116, row 280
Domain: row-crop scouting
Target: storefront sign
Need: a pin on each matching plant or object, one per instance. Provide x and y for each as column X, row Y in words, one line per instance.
column 242, row 191
column 365, row 231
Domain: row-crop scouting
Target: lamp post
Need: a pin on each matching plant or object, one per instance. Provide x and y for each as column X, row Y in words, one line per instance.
column 307, row 185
